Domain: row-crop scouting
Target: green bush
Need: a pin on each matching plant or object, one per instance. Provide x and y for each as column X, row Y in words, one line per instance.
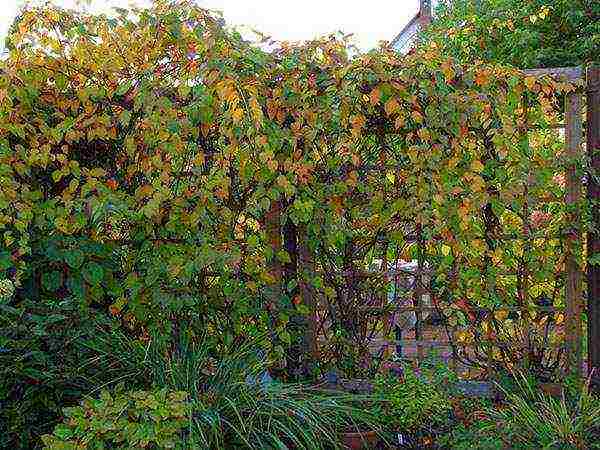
column 40, row 355
column 472, row 427
column 138, row 419
column 414, row 403
column 478, row 436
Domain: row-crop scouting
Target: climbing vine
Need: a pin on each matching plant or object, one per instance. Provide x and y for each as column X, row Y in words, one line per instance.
column 142, row 157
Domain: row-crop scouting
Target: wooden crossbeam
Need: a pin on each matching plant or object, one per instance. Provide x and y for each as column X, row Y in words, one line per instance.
column 565, row 73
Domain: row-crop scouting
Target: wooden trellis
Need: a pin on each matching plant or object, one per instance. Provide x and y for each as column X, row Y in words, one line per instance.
column 574, row 294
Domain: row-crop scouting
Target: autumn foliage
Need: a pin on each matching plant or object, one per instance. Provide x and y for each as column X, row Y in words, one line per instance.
column 141, row 154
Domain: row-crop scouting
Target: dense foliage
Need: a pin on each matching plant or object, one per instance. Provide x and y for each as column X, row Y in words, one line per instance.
column 150, row 160
column 417, row 403
column 157, row 169
column 526, row 34
column 137, row 419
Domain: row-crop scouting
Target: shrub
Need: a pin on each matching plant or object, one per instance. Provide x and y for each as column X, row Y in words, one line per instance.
column 40, row 355
column 139, row 419
column 472, row 427
column 479, row 436
column 413, row 403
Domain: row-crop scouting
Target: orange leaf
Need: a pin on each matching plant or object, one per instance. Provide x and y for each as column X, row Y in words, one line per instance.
column 375, row 96
column 481, row 79
column 417, row 116
column 391, row 106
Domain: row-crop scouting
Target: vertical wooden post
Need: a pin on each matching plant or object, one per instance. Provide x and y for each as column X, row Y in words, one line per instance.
column 273, row 231
column 573, row 140
column 296, row 354
column 418, row 294
column 593, row 236
column 307, row 293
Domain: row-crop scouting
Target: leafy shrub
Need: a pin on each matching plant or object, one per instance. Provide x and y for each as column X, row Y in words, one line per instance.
column 413, row 403
column 40, row 355
column 536, row 420
column 471, row 426
column 479, row 436
column 138, row 419
column 536, row 33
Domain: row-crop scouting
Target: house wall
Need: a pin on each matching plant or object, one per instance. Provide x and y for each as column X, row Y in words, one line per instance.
column 404, row 41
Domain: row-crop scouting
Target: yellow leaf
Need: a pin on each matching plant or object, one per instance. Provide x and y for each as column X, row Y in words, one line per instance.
column 391, row 106
column 530, row 83
column 417, row 116
column 477, row 184
column 199, row 159
column 237, row 115
column 448, row 71
column 445, row 250
column 559, row 318
column 501, row 315
column 477, row 166
column 282, row 181
column 485, row 326
column 424, row 134
column 464, row 336
column 145, row 191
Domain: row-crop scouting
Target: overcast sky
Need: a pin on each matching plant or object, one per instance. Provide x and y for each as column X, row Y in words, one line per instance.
column 370, row 21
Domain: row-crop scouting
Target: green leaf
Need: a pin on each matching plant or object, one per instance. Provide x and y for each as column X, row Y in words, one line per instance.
column 125, row 117
column 52, row 281
column 303, row 309
column 184, row 90
column 93, row 273
column 74, row 258
column 283, row 256
column 124, row 88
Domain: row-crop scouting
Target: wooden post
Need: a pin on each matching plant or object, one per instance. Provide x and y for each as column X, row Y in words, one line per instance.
column 273, row 231
column 418, row 294
column 306, row 264
column 573, row 140
column 296, row 353
column 593, row 236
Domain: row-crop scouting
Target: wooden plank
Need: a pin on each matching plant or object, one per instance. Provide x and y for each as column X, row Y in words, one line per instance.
column 475, row 309
column 573, row 153
column 593, row 236
column 564, row 73
column 445, row 344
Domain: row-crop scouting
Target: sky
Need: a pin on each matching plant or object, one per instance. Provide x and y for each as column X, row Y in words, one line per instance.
column 291, row 20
